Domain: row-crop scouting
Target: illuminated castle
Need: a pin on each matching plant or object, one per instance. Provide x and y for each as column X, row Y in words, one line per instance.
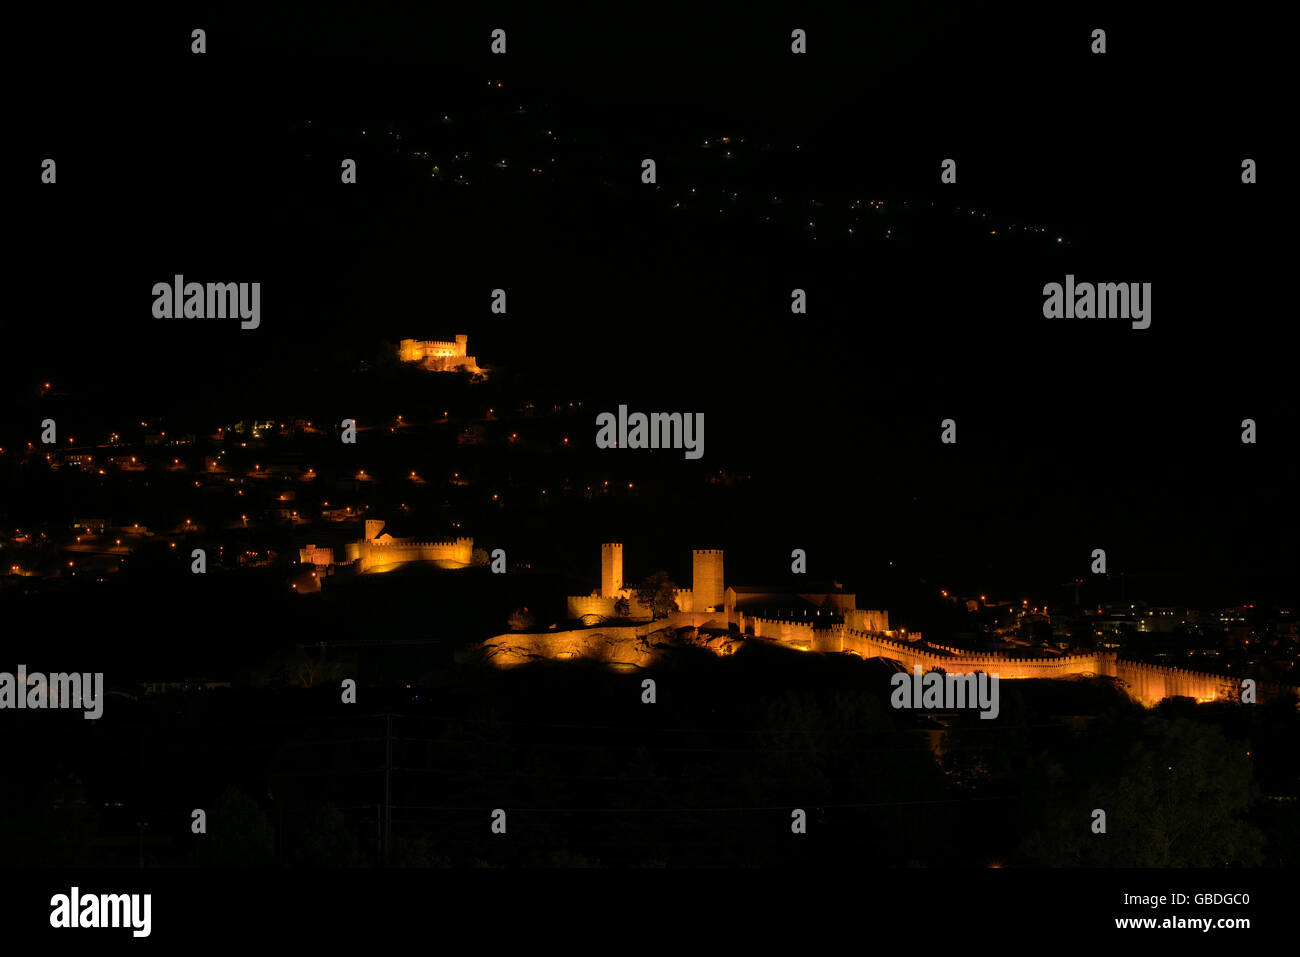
column 754, row 610
column 433, row 356
column 824, row 619
column 379, row 551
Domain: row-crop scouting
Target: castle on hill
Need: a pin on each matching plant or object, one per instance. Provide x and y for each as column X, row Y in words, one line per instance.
column 379, row 551
column 435, row 356
column 760, row 611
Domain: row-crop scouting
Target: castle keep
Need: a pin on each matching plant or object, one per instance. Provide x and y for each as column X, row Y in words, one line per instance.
column 434, row 356
column 754, row 610
column 379, row 551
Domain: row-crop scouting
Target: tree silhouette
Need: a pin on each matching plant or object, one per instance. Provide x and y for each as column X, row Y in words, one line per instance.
column 657, row 593
column 326, row 840
column 1175, row 793
column 238, row 833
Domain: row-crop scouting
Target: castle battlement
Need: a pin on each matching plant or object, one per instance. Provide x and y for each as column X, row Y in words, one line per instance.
column 435, row 355
column 375, row 550
column 407, row 543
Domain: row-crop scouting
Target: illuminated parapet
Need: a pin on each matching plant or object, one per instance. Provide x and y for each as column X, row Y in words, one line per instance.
column 315, row 555
column 438, row 355
column 385, row 551
column 865, row 619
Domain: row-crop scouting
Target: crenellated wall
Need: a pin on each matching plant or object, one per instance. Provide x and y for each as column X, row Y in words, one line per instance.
column 866, row 619
column 793, row 632
column 1150, row 683
column 316, row 555
column 1147, row 683
column 437, row 356
column 685, row 599
column 374, row 553
column 865, row 632
column 603, row 605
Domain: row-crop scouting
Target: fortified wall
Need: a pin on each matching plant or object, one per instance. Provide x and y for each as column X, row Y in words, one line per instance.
column 438, row 356
column 1147, row 683
column 706, row 566
column 378, row 550
column 393, row 551
column 866, row 633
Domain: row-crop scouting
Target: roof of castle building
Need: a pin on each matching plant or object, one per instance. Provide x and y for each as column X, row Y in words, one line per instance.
column 785, row 608
column 803, row 588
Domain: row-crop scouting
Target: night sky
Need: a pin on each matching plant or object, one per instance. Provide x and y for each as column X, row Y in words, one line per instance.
column 1072, row 434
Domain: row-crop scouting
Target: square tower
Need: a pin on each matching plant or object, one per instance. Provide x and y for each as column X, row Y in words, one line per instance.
column 707, row 585
column 611, row 569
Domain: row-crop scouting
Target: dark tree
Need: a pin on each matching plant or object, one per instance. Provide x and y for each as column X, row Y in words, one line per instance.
column 657, row 594
column 1175, row 794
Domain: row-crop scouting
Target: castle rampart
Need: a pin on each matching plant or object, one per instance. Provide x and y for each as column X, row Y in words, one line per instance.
column 438, row 356
column 378, row 552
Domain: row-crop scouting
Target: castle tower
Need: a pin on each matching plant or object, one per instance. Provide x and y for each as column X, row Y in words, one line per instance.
column 611, row 569
column 373, row 527
column 708, row 587
column 462, row 345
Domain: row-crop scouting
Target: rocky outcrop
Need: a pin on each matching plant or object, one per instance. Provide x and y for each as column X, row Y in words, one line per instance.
column 637, row 646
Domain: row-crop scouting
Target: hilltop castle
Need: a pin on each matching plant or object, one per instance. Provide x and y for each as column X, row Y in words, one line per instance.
column 752, row 609
column 827, row 620
column 434, row 356
column 380, row 551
